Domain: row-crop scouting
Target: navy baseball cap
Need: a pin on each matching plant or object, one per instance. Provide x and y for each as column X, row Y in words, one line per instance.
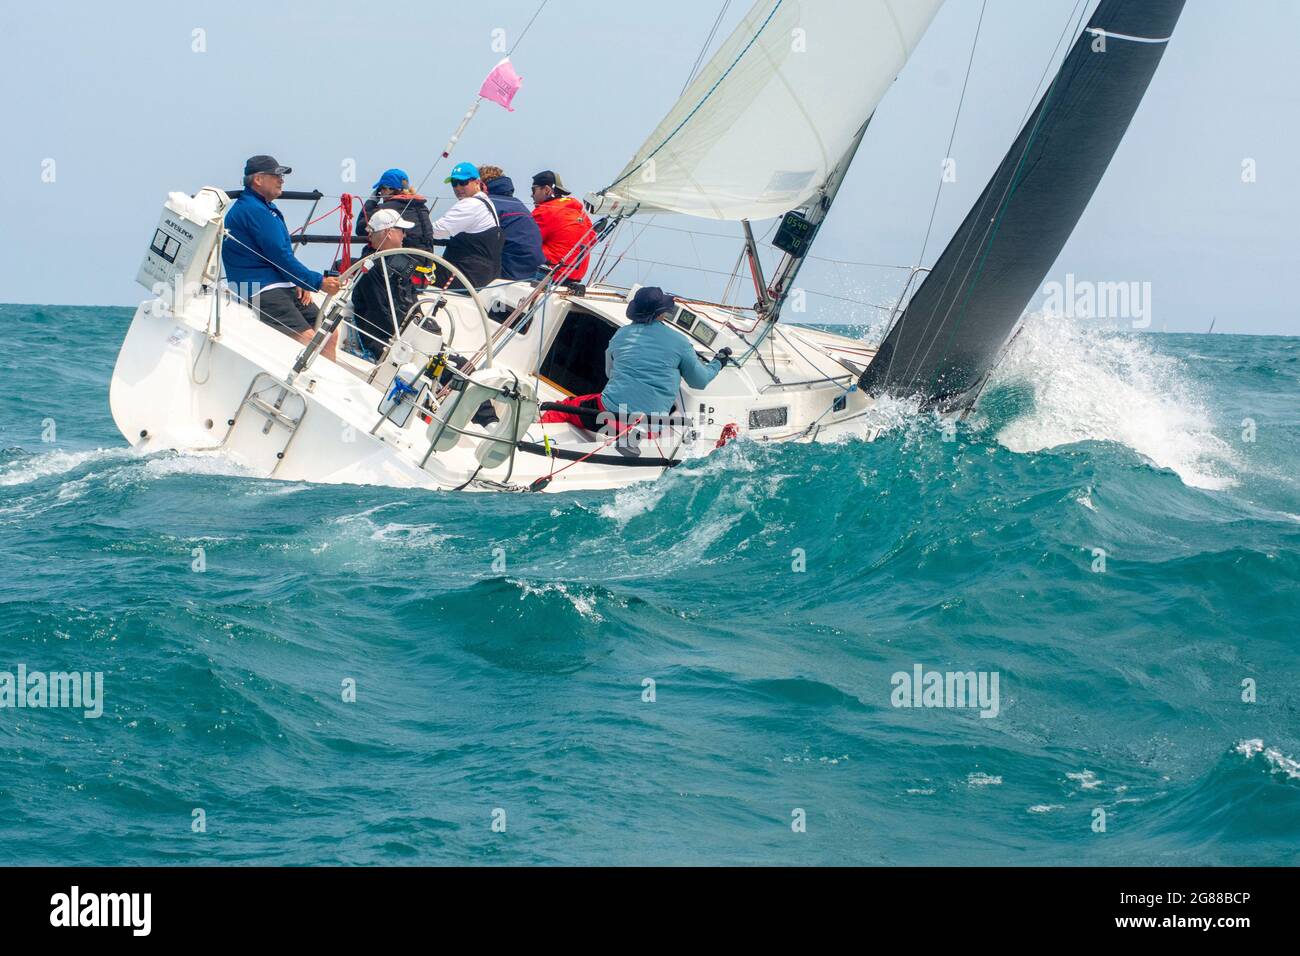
column 265, row 164
column 649, row 303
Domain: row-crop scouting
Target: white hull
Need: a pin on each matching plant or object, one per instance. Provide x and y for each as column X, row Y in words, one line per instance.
column 179, row 386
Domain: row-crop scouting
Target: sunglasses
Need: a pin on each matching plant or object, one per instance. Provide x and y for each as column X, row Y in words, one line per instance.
column 460, row 182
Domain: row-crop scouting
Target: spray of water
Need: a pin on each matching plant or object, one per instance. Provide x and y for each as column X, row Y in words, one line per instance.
column 1095, row 385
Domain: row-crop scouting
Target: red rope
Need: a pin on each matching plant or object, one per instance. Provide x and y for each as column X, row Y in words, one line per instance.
column 345, row 232
column 343, row 253
column 303, row 227
column 579, row 461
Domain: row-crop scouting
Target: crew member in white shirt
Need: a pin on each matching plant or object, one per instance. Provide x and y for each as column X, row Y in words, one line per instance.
column 471, row 231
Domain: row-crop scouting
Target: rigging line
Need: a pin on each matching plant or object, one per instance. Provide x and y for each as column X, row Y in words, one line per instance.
column 699, row 262
column 840, row 298
column 852, row 262
column 523, row 33
column 938, row 192
column 438, row 159
column 952, row 136
column 813, row 365
column 605, row 247
column 699, row 59
column 631, row 244
column 889, row 364
column 696, row 232
column 731, row 280
column 718, row 235
column 966, row 243
column 991, row 230
column 274, row 265
column 719, row 272
column 696, row 108
column 1050, row 60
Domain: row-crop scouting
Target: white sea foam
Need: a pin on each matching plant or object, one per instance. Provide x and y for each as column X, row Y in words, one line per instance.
column 122, row 463
column 982, row 779
column 415, row 535
column 364, row 516
column 891, row 414
column 194, row 463
column 1086, row 779
column 638, row 499
column 58, row 462
column 1277, row 761
column 1090, row 384
column 584, row 604
column 633, row 501
column 363, row 524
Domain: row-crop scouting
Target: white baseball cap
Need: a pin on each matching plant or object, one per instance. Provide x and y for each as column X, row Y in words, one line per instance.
column 383, row 219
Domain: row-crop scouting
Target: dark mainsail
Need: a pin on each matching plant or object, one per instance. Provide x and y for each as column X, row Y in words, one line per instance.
column 950, row 336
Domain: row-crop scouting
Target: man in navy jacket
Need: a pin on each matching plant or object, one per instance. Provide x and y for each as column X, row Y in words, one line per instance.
column 259, row 258
column 522, row 253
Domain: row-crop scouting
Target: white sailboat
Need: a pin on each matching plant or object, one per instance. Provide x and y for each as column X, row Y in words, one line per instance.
column 768, row 128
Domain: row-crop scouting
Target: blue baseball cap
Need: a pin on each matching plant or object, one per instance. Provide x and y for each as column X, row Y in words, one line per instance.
column 393, row 179
column 463, row 171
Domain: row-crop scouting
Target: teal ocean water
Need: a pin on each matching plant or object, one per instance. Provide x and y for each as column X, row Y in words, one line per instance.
column 515, row 694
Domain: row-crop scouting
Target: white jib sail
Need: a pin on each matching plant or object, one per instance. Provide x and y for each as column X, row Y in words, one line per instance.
column 759, row 130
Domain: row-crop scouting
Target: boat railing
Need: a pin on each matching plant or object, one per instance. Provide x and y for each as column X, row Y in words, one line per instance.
column 901, row 305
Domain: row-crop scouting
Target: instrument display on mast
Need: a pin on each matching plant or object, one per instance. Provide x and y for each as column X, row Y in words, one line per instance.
column 795, row 234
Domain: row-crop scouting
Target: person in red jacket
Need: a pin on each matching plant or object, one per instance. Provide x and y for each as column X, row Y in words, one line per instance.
column 564, row 224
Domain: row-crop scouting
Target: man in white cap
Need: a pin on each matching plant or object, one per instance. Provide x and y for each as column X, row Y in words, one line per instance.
column 388, row 289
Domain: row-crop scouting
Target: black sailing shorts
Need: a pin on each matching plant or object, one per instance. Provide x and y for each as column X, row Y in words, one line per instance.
column 280, row 309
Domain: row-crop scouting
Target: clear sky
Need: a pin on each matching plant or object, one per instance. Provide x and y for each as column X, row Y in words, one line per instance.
column 117, row 96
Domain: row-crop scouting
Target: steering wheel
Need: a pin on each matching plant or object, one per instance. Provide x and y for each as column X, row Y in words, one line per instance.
column 346, row 281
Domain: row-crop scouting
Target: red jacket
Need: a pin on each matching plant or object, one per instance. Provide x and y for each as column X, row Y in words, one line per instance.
column 564, row 223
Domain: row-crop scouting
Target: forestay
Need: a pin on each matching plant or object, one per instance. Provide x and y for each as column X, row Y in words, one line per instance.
column 762, row 126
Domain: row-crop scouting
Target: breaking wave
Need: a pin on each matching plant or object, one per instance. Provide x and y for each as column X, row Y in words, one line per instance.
column 1094, row 385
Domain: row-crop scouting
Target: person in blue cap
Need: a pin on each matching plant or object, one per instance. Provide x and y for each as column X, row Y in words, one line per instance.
column 471, row 231
column 645, row 362
column 393, row 191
